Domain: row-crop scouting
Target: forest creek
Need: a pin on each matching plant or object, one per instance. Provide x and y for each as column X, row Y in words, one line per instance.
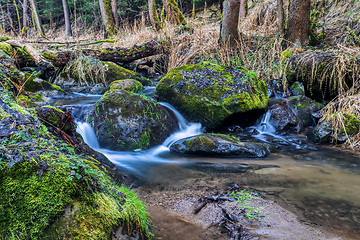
column 180, row 120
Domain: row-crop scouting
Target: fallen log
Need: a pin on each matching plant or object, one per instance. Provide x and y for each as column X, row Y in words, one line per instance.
column 46, row 67
column 123, row 55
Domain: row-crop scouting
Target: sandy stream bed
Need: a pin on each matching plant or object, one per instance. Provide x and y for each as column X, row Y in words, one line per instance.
column 173, row 218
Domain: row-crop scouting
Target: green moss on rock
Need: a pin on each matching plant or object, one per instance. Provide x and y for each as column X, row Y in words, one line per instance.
column 351, row 123
column 210, row 93
column 32, row 83
column 127, row 121
column 130, row 85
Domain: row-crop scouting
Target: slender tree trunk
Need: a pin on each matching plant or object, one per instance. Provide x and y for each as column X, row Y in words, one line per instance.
column 243, row 9
column 107, row 17
column 11, row 24
column 114, row 11
column 173, row 12
column 299, row 22
column 36, row 18
column 229, row 30
column 25, row 19
column 281, row 16
column 68, row 31
column 154, row 17
column 17, row 15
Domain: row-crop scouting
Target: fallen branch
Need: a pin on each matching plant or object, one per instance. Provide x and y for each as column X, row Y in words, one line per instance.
column 96, row 42
column 123, row 55
column 45, row 66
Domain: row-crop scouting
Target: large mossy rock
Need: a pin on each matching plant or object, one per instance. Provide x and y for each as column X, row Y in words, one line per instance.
column 219, row 144
column 130, row 85
column 325, row 131
column 209, row 93
column 125, row 121
column 44, row 172
column 31, row 83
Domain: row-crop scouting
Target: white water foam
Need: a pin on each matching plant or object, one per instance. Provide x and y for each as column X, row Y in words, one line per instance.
column 139, row 161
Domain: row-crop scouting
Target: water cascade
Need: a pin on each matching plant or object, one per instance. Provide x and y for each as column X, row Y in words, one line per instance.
column 138, row 162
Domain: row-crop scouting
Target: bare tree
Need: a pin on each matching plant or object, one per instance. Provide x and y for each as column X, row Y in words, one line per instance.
column 229, row 30
column 36, row 17
column 281, row 16
column 173, row 12
column 68, row 31
column 299, row 22
column 114, row 11
column 154, row 17
column 107, row 17
column 243, row 8
column 25, row 18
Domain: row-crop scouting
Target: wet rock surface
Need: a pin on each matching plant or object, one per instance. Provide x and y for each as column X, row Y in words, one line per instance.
column 219, row 144
column 125, row 121
column 293, row 113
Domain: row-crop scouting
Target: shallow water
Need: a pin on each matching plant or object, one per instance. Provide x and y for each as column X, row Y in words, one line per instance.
column 323, row 185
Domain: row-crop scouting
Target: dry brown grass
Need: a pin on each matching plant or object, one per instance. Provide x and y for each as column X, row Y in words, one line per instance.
column 335, row 111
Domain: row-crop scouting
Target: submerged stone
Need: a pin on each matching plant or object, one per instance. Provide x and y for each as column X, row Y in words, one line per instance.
column 210, row 93
column 219, row 144
column 125, row 121
column 130, row 85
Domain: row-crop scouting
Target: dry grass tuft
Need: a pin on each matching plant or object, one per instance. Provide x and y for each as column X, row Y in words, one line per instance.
column 333, row 71
column 335, row 113
column 87, row 69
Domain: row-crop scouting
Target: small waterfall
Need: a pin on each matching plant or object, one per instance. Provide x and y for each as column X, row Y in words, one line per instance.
column 265, row 131
column 88, row 134
column 265, row 126
column 139, row 162
column 180, row 118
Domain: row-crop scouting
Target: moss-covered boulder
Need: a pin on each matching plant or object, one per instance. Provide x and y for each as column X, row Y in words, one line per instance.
column 210, row 93
column 326, row 132
column 219, row 144
column 125, row 121
column 130, row 85
column 88, row 71
column 43, row 174
column 9, row 75
column 31, row 83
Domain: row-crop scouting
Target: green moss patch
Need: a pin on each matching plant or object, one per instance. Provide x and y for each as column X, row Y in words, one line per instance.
column 210, row 93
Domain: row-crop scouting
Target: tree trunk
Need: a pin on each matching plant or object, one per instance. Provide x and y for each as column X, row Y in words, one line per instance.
column 35, row 15
column 107, row 18
column 9, row 17
column 229, row 30
column 281, row 16
column 243, row 9
column 154, row 17
column 17, row 15
column 173, row 12
column 25, row 19
column 68, row 31
column 299, row 22
column 114, row 11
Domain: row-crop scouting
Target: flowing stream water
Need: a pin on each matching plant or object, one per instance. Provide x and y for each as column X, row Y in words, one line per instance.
column 321, row 183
